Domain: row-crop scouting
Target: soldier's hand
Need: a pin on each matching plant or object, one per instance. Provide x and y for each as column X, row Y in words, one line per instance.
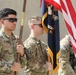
column 16, row 66
column 20, row 49
column 49, row 65
column 48, row 53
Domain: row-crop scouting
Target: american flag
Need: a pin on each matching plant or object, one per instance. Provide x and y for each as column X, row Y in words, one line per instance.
column 66, row 7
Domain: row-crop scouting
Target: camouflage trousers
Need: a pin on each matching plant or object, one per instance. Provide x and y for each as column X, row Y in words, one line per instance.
column 35, row 73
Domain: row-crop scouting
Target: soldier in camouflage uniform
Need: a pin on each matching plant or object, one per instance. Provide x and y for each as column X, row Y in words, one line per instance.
column 8, row 43
column 36, row 50
column 67, row 60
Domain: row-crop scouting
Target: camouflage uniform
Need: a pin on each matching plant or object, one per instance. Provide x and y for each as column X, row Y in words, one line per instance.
column 67, row 61
column 36, row 57
column 7, row 53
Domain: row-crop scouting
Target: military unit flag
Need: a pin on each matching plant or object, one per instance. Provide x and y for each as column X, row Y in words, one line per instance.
column 50, row 22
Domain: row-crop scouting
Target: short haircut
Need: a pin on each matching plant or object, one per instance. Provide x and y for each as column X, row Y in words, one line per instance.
column 6, row 11
column 34, row 19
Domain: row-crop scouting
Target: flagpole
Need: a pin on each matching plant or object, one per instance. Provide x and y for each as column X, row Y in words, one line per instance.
column 21, row 30
column 22, row 22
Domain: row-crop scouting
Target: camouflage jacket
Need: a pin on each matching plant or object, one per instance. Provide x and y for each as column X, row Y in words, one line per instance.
column 7, row 51
column 36, row 55
column 67, row 60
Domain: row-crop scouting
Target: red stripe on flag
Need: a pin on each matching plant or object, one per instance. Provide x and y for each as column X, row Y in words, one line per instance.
column 69, row 29
column 71, row 11
column 55, row 4
column 40, row 3
column 74, row 48
column 63, row 6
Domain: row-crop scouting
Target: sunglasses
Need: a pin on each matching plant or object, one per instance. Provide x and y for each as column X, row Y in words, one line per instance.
column 11, row 19
column 40, row 25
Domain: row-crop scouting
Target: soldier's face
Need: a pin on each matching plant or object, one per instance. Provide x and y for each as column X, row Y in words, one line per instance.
column 9, row 23
column 39, row 28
